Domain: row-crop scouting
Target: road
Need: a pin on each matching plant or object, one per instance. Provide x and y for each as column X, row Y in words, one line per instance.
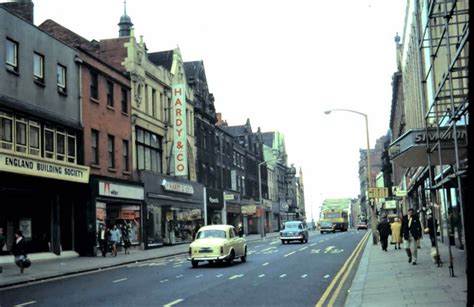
column 274, row 275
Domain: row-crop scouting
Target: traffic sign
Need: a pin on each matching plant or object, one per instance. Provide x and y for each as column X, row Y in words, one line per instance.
column 380, row 192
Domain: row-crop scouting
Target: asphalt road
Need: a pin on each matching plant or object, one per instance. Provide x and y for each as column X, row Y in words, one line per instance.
column 292, row 274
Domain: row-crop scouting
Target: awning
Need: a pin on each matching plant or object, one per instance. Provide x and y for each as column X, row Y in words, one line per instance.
column 410, row 149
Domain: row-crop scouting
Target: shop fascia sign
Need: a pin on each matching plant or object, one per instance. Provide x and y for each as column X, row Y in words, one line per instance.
column 228, row 196
column 178, row 187
column 34, row 166
column 213, row 200
column 120, row 190
column 179, row 130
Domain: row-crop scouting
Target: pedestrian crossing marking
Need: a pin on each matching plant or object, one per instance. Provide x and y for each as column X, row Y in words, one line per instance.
column 303, row 248
column 289, row 254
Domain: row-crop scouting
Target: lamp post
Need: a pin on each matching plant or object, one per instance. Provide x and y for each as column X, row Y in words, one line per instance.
column 369, row 182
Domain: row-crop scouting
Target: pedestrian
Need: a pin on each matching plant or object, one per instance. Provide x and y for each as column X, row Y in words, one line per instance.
column 384, row 231
column 2, row 243
column 103, row 238
column 432, row 224
column 241, row 230
column 126, row 238
column 114, row 239
column 19, row 251
column 411, row 230
column 396, row 228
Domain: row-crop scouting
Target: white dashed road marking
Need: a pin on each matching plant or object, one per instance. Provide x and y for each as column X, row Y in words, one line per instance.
column 261, row 275
column 266, row 263
column 219, row 276
column 236, row 276
column 313, row 244
column 119, row 280
column 289, row 254
column 326, row 276
column 282, row 275
column 303, row 248
column 304, row 276
column 164, row 280
column 173, row 303
column 179, row 276
column 199, row 276
column 25, row 304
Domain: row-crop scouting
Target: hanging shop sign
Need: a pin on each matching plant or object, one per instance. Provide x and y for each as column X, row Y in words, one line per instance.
column 120, row 190
column 179, row 129
column 34, row 166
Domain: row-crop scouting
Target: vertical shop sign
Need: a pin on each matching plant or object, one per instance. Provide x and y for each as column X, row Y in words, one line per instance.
column 179, row 133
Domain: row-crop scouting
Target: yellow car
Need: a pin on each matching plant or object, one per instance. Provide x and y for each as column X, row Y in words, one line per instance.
column 217, row 243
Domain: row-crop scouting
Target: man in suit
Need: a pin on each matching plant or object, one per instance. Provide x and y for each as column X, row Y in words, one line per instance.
column 384, row 231
column 411, row 230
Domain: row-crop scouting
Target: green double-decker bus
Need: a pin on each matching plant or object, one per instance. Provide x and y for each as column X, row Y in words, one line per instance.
column 338, row 217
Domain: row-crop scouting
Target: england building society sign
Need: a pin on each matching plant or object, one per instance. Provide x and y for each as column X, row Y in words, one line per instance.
column 33, row 166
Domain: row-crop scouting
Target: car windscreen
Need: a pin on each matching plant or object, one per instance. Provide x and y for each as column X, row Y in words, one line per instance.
column 292, row 226
column 211, row 233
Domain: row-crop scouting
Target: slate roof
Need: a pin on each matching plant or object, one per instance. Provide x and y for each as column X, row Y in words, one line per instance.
column 162, row 58
column 235, row 131
column 267, row 138
column 69, row 37
column 191, row 69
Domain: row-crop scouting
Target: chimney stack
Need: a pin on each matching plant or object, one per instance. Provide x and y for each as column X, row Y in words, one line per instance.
column 22, row 8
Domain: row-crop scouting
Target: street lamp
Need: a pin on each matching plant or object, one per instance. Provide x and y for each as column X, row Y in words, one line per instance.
column 369, row 182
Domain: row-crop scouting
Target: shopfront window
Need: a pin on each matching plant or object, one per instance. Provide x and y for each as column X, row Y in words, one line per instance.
column 120, row 214
column 180, row 224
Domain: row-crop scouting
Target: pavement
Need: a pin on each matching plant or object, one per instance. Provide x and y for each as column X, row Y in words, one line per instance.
column 387, row 279
column 48, row 266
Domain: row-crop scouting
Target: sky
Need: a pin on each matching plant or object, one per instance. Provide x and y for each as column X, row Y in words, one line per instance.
column 279, row 63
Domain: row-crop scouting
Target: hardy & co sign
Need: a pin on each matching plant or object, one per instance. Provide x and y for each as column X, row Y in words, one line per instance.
column 179, row 127
column 34, row 166
column 177, row 187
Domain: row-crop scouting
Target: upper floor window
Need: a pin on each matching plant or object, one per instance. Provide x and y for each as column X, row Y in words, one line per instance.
column 149, row 152
column 95, row 147
column 110, row 94
column 125, row 163
column 38, row 67
column 124, row 100
column 61, row 78
column 94, row 87
column 11, row 57
column 111, row 151
column 153, row 103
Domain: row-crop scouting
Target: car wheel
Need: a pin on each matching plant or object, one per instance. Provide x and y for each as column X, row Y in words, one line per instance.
column 306, row 240
column 244, row 257
column 302, row 241
column 194, row 263
column 230, row 261
column 333, row 231
column 321, row 232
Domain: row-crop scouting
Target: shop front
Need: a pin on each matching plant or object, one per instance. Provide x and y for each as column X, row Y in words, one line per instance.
column 250, row 219
column 215, row 205
column 174, row 209
column 118, row 202
column 43, row 199
column 233, row 211
column 276, row 216
column 267, row 208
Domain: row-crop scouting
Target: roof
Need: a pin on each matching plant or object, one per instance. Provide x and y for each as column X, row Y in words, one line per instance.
column 216, row 227
column 191, row 69
column 69, row 37
column 267, row 138
column 235, row 130
column 162, row 58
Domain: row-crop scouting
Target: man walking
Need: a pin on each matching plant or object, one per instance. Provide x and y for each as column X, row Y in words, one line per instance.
column 411, row 230
column 103, row 238
column 384, row 231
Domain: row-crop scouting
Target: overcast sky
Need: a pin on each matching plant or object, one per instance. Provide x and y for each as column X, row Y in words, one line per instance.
column 280, row 63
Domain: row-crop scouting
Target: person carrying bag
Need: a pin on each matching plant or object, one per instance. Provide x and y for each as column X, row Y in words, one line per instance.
column 19, row 252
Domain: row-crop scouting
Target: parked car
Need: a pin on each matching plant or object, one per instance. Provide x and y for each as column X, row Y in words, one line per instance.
column 327, row 226
column 294, row 231
column 217, row 243
column 362, row 225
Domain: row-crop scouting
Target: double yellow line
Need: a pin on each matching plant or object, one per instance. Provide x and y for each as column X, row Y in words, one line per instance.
column 344, row 272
